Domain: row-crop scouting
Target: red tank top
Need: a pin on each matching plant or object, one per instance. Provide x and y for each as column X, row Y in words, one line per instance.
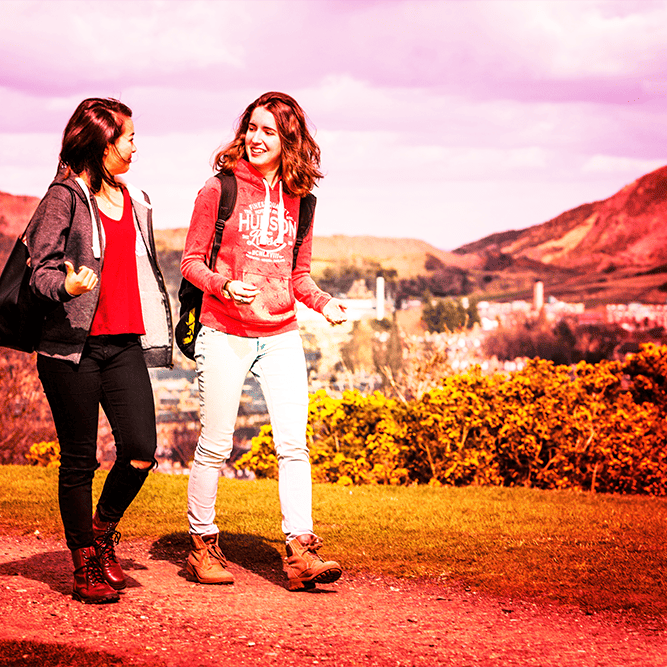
column 119, row 308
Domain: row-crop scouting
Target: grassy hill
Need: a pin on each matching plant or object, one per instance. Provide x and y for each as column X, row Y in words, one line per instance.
column 408, row 257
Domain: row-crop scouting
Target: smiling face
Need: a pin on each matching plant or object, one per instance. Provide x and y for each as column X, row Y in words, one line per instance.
column 118, row 156
column 262, row 144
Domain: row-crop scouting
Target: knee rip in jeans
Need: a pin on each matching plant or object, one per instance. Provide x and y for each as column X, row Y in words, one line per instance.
column 143, row 465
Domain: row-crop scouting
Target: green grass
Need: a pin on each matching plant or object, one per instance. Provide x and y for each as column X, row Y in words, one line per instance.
column 600, row 552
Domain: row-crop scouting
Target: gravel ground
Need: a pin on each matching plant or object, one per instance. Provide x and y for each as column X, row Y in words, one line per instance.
column 163, row 619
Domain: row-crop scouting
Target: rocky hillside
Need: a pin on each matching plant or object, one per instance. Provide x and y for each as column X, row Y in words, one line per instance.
column 626, row 231
column 15, row 212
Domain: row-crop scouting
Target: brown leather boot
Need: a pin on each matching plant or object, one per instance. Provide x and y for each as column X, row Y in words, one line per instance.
column 106, row 538
column 89, row 583
column 206, row 563
column 304, row 566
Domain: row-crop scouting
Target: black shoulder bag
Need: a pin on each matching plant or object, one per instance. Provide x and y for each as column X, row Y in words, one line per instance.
column 21, row 310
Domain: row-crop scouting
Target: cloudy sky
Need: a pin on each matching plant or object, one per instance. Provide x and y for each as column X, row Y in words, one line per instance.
column 445, row 121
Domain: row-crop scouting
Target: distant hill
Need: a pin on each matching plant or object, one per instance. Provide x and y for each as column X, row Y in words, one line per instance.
column 608, row 251
column 15, row 213
column 626, row 231
column 407, row 256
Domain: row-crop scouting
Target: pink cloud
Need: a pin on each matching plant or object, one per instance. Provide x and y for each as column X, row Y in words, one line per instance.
column 493, row 97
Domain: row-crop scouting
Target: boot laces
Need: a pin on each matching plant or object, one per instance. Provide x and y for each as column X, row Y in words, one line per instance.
column 93, row 567
column 107, row 544
column 311, row 548
column 216, row 553
column 315, row 543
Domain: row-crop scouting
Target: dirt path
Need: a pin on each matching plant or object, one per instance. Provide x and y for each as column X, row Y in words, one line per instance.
column 164, row 619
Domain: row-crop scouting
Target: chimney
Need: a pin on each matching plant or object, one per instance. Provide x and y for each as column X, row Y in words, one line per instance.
column 538, row 296
column 379, row 296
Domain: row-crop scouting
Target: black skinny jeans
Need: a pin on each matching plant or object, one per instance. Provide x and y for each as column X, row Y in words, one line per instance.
column 112, row 373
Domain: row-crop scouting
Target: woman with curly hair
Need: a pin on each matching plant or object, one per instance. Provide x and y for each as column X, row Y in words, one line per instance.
column 249, row 324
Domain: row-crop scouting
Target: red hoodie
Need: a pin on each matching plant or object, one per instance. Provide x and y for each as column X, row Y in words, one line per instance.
column 256, row 248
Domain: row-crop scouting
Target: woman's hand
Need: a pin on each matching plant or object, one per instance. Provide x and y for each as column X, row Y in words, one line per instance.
column 81, row 282
column 335, row 312
column 240, row 292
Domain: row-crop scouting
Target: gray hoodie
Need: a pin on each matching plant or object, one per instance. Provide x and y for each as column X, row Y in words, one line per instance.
column 62, row 229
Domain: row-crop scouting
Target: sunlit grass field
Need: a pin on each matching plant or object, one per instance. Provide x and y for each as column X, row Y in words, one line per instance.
column 599, row 552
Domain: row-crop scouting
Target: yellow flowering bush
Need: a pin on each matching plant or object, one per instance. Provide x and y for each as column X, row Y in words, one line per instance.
column 592, row 426
column 448, row 432
column 261, row 458
column 647, row 371
column 45, row 454
column 356, row 439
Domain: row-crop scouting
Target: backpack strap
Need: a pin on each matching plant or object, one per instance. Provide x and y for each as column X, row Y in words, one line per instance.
column 306, row 214
column 227, row 203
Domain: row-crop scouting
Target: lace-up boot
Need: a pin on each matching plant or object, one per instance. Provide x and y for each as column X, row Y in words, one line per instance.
column 90, row 586
column 305, row 567
column 106, row 538
column 206, row 563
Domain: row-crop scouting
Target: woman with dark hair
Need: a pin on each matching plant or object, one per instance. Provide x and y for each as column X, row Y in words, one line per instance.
column 249, row 324
column 94, row 264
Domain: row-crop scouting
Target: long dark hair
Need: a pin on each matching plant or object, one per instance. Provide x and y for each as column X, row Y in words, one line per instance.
column 96, row 124
column 300, row 155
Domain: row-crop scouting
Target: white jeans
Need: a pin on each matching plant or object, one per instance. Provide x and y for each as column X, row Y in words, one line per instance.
column 279, row 364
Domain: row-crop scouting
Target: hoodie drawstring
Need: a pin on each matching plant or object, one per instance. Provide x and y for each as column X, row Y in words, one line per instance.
column 97, row 252
column 266, row 216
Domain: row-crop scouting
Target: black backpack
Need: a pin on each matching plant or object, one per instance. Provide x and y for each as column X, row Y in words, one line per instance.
column 190, row 297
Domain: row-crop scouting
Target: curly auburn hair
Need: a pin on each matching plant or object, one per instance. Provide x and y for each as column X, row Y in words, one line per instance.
column 96, row 124
column 300, row 155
